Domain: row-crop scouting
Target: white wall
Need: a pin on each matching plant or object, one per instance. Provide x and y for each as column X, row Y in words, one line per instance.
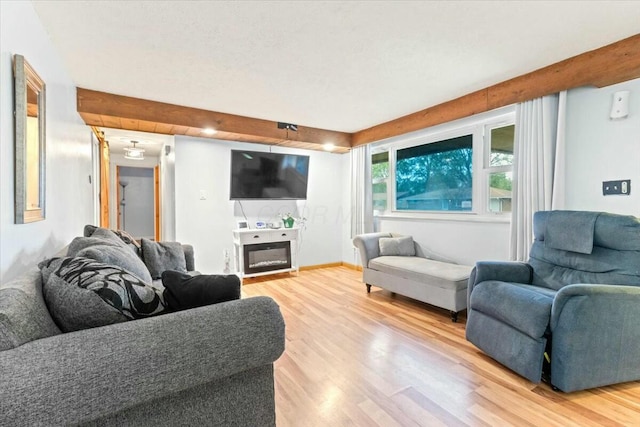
column 68, row 192
column 464, row 242
column 168, row 192
column 202, row 170
column 600, row 149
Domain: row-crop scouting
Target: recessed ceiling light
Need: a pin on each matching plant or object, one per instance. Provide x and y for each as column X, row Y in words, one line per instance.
column 329, row 146
column 209, row 131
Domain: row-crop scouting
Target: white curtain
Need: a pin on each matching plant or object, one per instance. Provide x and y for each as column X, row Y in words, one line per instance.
column 361, row 191
column 558, row 198
column 537, row 132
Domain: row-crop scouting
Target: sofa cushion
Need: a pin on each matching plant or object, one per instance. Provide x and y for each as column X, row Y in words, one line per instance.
column 397, row 246
column 436, row 273
column 120, row 254
column 161, row 256
column 82, row 293
column 23, row 314
column 128, row 239
column 524, row 307
column 183, row 291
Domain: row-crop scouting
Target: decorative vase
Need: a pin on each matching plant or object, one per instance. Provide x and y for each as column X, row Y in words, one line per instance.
column 288, row 222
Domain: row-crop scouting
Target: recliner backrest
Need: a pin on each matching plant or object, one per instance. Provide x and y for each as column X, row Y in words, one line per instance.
column 614, row 258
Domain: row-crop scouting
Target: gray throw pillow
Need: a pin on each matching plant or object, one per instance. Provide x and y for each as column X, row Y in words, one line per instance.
column 112, row 255
column 128, row 239
column 81, row 293
column 100, row 236
column 397, row 246
column 162, row 256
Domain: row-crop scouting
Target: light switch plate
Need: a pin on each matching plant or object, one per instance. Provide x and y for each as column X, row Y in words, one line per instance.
column 622, row 187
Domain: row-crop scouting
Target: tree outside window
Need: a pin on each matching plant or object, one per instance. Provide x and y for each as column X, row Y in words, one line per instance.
column 437, row 176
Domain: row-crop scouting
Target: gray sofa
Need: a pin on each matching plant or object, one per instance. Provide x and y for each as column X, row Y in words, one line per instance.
column 571, row 314
column 211, row 365
column 418, row 273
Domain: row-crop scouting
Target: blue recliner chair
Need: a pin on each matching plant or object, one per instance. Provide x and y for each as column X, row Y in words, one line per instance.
column 572, row 312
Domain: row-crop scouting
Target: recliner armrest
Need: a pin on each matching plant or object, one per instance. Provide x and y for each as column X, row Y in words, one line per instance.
column 608, row 294
column 504, row 271
column 596, row 336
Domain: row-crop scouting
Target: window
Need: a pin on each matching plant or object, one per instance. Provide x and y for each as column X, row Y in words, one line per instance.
column 463, row 167
column 436, row 177
column 499, row 166
column 380, row 180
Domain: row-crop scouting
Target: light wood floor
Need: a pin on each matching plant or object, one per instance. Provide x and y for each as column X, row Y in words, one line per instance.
column 354, row 359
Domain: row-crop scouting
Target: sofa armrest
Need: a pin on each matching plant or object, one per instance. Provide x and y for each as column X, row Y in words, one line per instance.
column 596, row 336
column 189, row 257
column 76, row 377
column 368, row 246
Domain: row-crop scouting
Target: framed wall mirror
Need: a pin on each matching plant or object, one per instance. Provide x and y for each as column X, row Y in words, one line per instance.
column 30, row 162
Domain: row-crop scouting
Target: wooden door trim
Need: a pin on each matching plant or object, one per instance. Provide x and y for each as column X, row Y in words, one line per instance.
column 103, row 148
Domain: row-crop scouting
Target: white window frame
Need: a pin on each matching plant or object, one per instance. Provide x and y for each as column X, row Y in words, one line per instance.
column 477, row 127
column 487, row 169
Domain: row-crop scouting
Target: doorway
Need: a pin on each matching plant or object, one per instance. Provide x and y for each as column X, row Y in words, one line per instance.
column 136, row 201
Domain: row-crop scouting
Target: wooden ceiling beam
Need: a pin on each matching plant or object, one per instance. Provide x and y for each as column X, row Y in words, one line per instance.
column 611, row 64
column 124, row 112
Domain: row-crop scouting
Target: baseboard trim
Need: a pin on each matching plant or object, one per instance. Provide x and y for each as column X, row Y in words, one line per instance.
column 318, row 266
column 352, row 266
column 331, row 264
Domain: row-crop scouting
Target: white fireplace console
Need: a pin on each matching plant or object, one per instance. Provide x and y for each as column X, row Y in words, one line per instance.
column 266, row 251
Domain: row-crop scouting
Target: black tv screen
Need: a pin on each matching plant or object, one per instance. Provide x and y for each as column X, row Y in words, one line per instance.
column 259, row 175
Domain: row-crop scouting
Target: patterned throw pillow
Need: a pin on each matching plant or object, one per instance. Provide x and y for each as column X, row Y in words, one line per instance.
column 82, row 293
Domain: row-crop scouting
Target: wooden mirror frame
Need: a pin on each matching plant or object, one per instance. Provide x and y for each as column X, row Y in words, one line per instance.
column 27, row 83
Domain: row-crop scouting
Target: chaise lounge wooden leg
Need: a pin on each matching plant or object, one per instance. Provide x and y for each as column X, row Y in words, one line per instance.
column 454, row 316
column 368, row 288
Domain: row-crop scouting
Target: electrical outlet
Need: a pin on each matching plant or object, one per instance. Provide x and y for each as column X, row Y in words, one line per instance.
column 622, row 187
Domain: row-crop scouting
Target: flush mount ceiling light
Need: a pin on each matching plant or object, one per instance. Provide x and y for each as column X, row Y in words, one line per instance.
column 133, row 153
column 209, row 131
column 329, row 146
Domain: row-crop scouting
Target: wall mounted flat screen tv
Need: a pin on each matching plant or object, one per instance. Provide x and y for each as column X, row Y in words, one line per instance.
column 258, row 175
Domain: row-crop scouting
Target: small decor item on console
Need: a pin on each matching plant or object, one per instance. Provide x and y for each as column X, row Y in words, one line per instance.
column 261, row 224
column 287, row 220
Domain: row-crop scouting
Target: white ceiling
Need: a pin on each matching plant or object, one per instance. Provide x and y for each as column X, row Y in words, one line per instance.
column 339, row 65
